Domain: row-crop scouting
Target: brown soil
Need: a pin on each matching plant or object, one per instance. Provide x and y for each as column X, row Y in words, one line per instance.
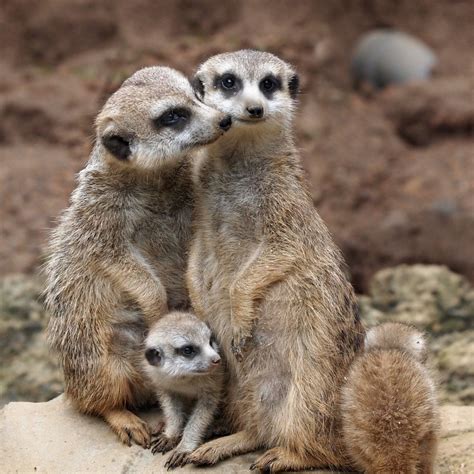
column 392, row 174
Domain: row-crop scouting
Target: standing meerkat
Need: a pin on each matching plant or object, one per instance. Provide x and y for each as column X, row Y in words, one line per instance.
column 389, row 407
column 267, row 276
column 118, row 257
column 184, row 366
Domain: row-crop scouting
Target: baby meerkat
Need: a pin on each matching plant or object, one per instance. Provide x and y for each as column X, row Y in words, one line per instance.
column 117, row 259
column 389, row 406
column 266, row 275
column 184, row 366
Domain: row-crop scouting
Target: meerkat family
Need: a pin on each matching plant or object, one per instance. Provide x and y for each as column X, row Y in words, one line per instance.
column 118, row 257
column 389, row 407
column 213, row 173
column 184, row 366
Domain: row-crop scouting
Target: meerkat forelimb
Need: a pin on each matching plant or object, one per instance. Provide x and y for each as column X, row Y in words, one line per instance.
column 118, row 256
column 390, row 414
column 184, row 366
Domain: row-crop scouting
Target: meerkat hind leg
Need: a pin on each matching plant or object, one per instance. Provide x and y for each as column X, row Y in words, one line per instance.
column 221, row 448
column 129, row 427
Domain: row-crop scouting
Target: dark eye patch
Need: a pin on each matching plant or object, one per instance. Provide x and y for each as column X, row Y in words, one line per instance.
column 189, row 351
column 228, row 83
column 269, row 84
column 174, row 117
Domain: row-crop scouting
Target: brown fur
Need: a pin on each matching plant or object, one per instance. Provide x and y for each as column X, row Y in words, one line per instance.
column 390, row 413
column 117, row 258
column 267, row 276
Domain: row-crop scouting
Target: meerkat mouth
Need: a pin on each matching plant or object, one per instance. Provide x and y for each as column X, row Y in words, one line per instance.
column 250, row 121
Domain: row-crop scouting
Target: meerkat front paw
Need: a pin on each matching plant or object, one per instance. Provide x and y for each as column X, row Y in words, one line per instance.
column 177, row 458
column 162, row 444
column 240, row 340
column 129, row 427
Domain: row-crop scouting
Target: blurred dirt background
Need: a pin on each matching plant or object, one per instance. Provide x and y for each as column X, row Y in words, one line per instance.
column 392, row 173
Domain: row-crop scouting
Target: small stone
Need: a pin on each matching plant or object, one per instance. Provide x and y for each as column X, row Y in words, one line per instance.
column 383, row 57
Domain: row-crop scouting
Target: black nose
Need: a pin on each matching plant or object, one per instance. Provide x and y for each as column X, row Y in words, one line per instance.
column 255, row 111
column 225, row 123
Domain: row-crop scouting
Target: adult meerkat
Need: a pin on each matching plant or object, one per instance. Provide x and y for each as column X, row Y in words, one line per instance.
column 184, row 366
column 389, row 408
column 117, row 259
column 267, row 276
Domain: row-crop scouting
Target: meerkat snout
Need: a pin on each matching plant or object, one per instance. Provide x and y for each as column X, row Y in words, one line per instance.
column 255, row 111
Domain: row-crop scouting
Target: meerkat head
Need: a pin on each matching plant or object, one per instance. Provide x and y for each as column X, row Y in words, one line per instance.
column 180, row 344
column 155, row 117
column 397, row 336
column 257, row 89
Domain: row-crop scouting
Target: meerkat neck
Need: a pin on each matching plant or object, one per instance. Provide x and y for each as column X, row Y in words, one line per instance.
column 241, row 145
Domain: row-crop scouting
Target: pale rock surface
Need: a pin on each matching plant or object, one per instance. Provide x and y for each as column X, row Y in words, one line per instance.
column 53, row 438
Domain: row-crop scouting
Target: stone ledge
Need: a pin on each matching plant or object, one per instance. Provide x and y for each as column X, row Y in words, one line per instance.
column 53, row 438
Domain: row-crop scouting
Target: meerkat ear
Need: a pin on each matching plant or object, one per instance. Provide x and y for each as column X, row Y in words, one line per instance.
column 153, row 356
column 198, row 86
column 293, row 85
column 117, row 146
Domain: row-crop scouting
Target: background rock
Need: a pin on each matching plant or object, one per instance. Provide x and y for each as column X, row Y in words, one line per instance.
column 27, row 371
column 385, row 56
column 52, row 437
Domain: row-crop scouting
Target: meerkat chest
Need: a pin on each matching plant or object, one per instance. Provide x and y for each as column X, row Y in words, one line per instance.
column 235, row 204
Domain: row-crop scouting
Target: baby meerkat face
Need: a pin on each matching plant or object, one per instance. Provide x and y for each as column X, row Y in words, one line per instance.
column 180, row 345
column 155, row 118
column 397, row 336
column 256, row 88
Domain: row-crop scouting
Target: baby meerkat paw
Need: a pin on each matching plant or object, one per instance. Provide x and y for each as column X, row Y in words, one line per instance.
column 177, row 458
column 162, row 444
column 240, row 340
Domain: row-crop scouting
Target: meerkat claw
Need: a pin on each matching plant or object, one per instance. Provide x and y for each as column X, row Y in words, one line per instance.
column 177, row 459
column 163, row 444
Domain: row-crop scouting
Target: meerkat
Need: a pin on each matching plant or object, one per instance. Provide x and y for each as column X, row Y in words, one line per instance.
column 389, row 407
column 184, row 366
column 117, row 258
column 267, row 276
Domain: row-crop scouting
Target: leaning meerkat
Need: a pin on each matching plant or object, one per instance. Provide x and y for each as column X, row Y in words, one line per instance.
column 184, row 366
column 389, row 407
column 267, row 276
column 118, row 257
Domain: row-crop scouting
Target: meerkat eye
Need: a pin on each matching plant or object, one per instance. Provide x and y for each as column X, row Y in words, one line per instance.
column 173, row 117
column 269, row 84
column 228, row 81
column 188, row 351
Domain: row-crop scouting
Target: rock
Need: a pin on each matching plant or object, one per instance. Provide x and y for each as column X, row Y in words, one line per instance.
column 430, row 297
column 384, row 57
column 28, row 371
column 52, row 437
column 454, row 356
